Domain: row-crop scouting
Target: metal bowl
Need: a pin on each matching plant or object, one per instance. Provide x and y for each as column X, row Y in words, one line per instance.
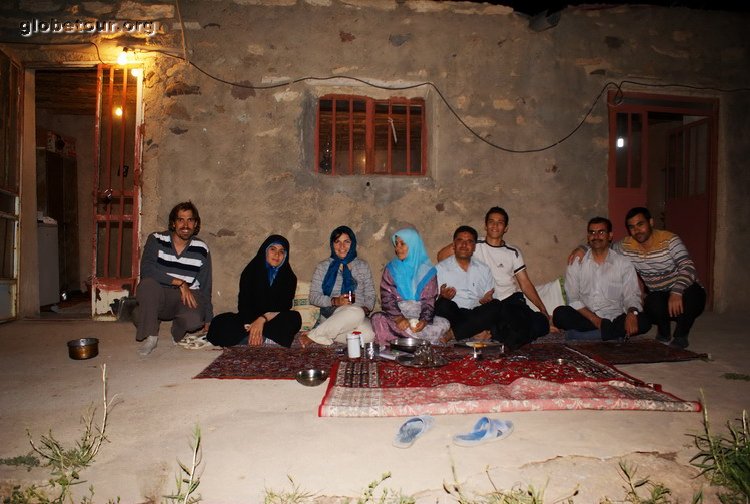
column 311, row 377
column 83, row 348
column 408, row 344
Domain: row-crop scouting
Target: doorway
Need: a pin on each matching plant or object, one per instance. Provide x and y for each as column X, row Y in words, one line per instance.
column 663, row 155
column 65, row 129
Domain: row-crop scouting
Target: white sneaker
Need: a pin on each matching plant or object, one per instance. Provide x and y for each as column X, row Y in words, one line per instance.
column 148, row 345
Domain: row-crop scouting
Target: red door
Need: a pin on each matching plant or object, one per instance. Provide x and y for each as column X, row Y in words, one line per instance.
column 688, row 205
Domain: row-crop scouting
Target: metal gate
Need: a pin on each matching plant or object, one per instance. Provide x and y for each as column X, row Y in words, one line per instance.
column 117, row 151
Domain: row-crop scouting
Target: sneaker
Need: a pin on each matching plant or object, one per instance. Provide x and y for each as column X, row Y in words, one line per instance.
column 662, row 338
column 148, row 345
column 681, row 343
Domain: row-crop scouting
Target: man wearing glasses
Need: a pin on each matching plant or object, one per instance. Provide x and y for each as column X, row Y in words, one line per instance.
column 602, row 290
column 175, row 280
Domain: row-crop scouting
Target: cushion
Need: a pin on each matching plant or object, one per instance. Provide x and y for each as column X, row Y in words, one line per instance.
column 552, row 295
column 302, row 305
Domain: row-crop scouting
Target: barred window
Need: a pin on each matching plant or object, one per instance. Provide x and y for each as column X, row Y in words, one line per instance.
column 357, row 135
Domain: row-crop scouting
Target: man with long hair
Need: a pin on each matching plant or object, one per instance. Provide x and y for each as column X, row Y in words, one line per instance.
column 175, row 279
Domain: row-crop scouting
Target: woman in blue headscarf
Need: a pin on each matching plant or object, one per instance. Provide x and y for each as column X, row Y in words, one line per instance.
column 267, row 287
column 342, row 287
column 407, row 293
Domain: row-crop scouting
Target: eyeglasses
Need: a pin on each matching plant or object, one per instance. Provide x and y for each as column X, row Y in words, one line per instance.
column 597, row 232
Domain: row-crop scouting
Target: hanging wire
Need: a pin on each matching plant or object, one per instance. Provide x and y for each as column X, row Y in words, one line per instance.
column 310, row 78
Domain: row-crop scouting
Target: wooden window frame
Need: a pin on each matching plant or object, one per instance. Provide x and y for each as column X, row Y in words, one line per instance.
column 377, row 159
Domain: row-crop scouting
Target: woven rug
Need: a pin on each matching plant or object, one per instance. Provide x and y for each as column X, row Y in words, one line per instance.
column 537, row 377
column 267, row 362
column 635, row 351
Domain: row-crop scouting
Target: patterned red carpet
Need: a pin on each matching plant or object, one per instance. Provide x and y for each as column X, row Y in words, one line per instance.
column 537, row 377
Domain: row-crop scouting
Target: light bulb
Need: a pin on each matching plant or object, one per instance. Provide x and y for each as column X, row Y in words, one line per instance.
column 122, row 58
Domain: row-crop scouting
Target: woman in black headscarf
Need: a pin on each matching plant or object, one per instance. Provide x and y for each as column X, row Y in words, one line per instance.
column 267, row 287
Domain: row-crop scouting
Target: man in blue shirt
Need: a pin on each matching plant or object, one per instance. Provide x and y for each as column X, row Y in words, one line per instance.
column 466, row 288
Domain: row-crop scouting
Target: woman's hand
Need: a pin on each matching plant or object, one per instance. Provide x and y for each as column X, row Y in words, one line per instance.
column 420, row 325
column 402, row 323
column 255, row 332
column 341, row 300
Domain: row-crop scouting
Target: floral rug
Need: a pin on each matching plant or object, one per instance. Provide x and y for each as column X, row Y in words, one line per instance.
column 537, row 377
column 268, row 362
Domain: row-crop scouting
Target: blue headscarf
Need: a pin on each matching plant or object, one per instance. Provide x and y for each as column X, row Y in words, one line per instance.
column 348, row 283
column 273, row 270
column 413, row 273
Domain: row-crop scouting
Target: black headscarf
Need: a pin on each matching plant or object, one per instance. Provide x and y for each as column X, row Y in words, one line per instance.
column 257, row 294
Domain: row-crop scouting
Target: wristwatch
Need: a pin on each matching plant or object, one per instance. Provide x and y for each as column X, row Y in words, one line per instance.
column 634, row 311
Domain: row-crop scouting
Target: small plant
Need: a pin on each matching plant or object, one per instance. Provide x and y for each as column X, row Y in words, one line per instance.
column 515, row 495
column 725, row 459
column 28, row 461
column 295, row 496
column 389, row 497
column 188, row 475
column 736, row 376
column 65, row 463
column 656, row 493
column 298, row 496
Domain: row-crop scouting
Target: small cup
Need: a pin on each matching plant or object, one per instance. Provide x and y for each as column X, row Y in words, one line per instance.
column 372, row 350
column 413, row 323
column 351, row 296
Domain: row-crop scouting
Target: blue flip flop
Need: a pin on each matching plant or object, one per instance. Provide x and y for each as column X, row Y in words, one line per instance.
column 485, row 431
column 412, row 429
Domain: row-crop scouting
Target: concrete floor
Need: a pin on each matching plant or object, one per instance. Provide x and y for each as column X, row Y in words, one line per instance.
column 258, row 433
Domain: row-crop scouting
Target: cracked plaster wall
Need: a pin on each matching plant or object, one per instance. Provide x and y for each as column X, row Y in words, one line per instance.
column 245, row 156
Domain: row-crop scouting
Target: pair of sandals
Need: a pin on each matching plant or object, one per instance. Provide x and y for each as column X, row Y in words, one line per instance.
column 485, row 430
column 196, row 341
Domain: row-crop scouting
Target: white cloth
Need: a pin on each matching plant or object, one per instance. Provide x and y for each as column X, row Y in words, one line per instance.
column 344, row 320
column 470, row 285
column 505, row 262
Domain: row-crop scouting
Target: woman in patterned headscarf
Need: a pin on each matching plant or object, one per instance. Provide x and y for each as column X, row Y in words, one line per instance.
column 267, row 287
column 407, row 293
column 342, row 287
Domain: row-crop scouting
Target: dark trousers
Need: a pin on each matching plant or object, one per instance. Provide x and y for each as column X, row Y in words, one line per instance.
column 467, row 322
column 568, row 318
column 518, row 323
column 228, row 329
column 656, row 306
column 157, row 302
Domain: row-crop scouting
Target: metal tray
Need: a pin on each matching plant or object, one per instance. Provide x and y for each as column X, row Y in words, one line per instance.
column 408, row 361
